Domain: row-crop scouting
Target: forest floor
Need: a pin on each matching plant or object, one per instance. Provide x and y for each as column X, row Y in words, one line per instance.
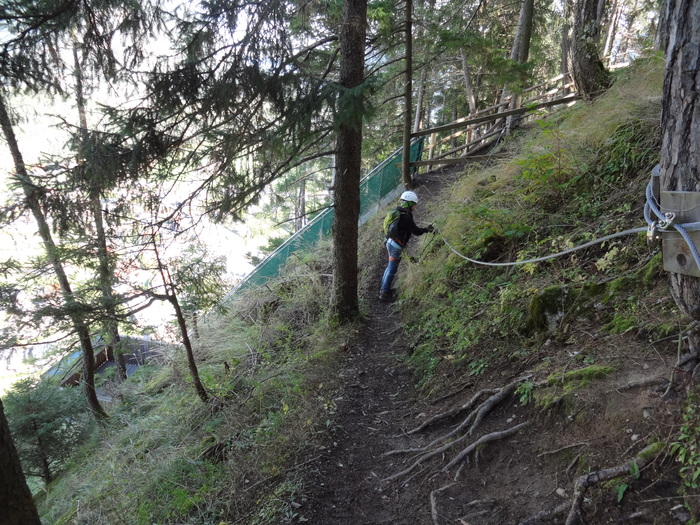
column 525, row 461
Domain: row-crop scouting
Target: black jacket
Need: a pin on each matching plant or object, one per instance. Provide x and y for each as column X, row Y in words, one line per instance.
column 407, row 227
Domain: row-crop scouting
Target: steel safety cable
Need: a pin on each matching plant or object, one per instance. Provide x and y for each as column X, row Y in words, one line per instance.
column 666, row 221
column 546, row 257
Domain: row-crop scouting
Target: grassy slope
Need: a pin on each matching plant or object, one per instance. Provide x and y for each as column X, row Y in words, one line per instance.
column 579, row 176
column 166, row 458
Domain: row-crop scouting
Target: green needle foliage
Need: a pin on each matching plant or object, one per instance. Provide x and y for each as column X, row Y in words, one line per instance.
column 48, row 424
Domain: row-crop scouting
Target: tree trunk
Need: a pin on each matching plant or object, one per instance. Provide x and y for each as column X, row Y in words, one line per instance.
column 521, row 44
column 40, row 450
column 589, row 74
column 566, row 36
column 600, row 13
column 106, row 269
column 171, row 295
column 408, row 98
column 191, row 363
column 106, row 276
column 468, row 85
column 420, row 101
column 16, row 503
column 194, row 318
column 521, row 51
column 421, row 119
column 680, row 122
column 71, row 305
column 301, row 205
column 661, row 37
column 348, row 164
column 611, row 32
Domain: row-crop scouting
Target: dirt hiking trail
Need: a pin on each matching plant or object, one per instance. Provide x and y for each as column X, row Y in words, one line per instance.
column 377, row 402
column 476, row 456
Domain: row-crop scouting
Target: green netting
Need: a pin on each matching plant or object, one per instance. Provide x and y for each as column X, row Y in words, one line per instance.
column 381, row 184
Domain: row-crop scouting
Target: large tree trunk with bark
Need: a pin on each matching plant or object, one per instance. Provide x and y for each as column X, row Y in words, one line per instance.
column 520, row 52
column 33, row 203
column 589, row 74
column 680, row 121
column 348, row 164
column 565, row 63
column 419, row 117
column 521, row 44
column 16, row 503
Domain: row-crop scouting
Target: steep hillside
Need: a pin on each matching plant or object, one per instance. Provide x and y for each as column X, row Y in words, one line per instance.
column 545, row 392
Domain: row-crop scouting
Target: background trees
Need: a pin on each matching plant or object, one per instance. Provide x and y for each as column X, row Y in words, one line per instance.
column 234, row 97
column 214, row 102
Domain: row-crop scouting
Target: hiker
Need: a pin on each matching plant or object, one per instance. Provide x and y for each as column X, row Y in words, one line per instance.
column 399, row 226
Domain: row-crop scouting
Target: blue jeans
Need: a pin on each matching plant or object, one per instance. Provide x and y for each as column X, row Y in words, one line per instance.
column 394, row 259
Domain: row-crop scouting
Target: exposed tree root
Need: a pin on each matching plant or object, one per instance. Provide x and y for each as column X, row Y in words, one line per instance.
column 433, row 503
column 491, row 402
column 649, row 381
column 424, row 457
column 460, row 388
column 566, row 447
column 453, row 411
column 586, row 481
column 493, row 436
column 472, row 420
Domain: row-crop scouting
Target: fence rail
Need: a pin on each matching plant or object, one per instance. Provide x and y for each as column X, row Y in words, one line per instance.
column 483, row 128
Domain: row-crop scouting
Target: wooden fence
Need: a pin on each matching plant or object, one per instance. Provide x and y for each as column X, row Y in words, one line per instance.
column 467, row 136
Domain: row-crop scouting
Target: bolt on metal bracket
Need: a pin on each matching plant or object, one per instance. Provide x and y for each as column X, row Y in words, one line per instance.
column 683, row 207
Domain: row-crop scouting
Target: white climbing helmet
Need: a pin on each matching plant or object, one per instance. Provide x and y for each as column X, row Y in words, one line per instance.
column 409, row 196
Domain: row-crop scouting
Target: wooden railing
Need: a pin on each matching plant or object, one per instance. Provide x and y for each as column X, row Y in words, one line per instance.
column 470, row 135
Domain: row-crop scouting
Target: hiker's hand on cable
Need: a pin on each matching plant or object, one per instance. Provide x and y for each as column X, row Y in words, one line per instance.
column 430, row 228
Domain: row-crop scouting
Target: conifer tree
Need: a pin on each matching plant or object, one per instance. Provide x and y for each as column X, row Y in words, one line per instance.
column 47, row 425
column 349, row 150
column 33, row 56
column 74, row 310
column 95, row 186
